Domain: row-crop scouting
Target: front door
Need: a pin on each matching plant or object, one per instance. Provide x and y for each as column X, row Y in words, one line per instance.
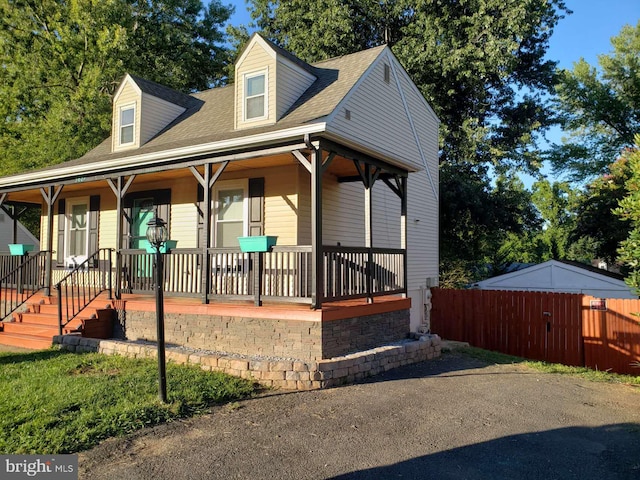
column 77, row 235
column 141, row 214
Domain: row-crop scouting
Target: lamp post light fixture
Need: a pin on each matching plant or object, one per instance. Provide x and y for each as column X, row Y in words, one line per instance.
column 157, row 234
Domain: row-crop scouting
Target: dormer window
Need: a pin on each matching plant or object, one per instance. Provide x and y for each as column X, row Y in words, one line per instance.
column 127, row 120
column 255, row 96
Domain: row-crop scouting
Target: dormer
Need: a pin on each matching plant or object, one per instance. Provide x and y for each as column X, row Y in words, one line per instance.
column 269, row 80
column 141, row 109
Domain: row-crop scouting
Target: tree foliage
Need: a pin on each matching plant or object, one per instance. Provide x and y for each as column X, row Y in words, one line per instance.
column 554, row 201
column 550, row 237
column 478, row 218
column 593, row 212
column 599, row 108
column 479, row 63
column 61, row 62
column 629, row 209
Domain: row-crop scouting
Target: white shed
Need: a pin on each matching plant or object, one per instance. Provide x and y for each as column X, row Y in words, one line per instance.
column 561, row 277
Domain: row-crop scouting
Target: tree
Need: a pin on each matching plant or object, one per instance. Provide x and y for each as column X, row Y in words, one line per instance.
column 479, row 63
column 477, row 217
column 554, row 201
column 629, row 209
column 600, row 109
column 557, row 235
column 61, row 62
column 593, row 212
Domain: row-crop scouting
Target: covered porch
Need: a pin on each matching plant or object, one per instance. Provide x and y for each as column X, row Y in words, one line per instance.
column 301, row 275
column 302, row 268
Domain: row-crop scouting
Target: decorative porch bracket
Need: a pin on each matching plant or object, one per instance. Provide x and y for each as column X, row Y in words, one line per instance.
column 207, row 181
column 316, row 167
column 119, row 189
column 369, row 171
column 50, row 195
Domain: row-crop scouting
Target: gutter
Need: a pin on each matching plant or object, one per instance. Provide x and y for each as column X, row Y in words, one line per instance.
column 149, row 159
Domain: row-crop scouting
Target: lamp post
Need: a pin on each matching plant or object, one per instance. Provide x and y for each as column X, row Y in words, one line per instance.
column 156, row 235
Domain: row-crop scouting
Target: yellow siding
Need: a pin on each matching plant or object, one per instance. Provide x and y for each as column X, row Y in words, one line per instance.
column 44, row 231
column 281, row 205
column 422, row 239
column 304, row 206
column 108, row 215
column 128, row 96
column 342, row 212
column 291, row 84
column 280, row 202
column 257, row 59
column 377, row 117
column 386, row 217
column 156, row 114
column 370, row 103
column 184, row 213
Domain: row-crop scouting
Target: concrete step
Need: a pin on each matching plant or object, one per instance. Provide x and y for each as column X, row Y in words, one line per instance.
column 34, row 329
column 38, row 318
column 45, row 309
column 24, row 341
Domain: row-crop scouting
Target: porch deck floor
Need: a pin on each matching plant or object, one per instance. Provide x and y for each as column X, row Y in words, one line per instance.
column 330, row 311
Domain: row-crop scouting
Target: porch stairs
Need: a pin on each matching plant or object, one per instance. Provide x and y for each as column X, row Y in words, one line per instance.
column 35, row 327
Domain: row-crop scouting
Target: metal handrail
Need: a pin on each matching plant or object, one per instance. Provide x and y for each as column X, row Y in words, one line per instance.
column 83, row 285
column 21, row 283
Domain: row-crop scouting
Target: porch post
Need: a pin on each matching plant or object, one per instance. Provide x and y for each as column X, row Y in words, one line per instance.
column 317, row 274
column 119, row 190
column 207, row 182
column 118, row 194
column 14, row 217
column 368, row 228
column 403, row 232
column 50, row 196
column 206, row 226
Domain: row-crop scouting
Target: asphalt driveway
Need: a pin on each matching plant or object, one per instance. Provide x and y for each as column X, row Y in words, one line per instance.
column 450, row 418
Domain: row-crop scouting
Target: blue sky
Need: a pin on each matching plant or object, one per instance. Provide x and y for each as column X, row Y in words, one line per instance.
column 586, row 33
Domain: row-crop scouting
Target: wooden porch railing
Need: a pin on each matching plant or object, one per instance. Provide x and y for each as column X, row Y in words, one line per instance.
column 83, row 284
column 182, row 272
column 21, row 282
column 285, row 273
column 360, row 272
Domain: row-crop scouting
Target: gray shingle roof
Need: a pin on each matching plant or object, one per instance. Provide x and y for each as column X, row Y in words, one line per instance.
column 165, row 93
column 210, row 114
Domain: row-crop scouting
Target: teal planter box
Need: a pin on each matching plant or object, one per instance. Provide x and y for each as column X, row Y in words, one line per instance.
column 259, row 243
column 19, row 248
column 165, row 248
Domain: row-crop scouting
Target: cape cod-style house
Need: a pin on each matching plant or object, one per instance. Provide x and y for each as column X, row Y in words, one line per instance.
column 336, row 161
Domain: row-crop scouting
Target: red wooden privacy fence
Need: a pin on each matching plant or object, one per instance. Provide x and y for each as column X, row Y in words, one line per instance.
column 555, row 327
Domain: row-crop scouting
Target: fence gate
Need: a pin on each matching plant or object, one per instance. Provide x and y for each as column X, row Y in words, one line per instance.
column 537, row 325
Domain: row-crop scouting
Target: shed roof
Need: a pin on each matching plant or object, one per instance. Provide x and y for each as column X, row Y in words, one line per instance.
column 561, row 276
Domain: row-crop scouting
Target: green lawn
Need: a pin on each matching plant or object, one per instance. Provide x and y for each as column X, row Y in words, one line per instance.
column 59, row 402
column 587, row 373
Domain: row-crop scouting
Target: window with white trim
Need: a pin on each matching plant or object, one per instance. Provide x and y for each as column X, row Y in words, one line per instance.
column 77, row 231
column 231, row 213
column 255, row 96
column 127, row 125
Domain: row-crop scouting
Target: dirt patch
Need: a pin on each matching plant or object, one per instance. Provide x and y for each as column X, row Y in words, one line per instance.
column 454, row 417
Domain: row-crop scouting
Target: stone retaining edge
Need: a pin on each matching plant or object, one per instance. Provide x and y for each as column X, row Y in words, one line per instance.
column 286, row 375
